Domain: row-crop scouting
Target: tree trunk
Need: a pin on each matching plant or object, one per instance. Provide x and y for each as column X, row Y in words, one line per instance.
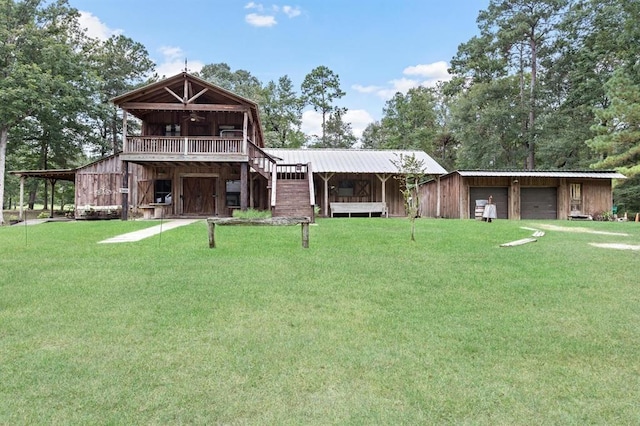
column 4, row 136
column 531, row 158
column 32, row 197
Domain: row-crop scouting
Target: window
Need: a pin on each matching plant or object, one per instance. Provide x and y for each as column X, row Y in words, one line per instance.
column 346, row 188
column 354, row 188
column 576, row 197
column 172, row 130
column 162, row 191
column 233, row 193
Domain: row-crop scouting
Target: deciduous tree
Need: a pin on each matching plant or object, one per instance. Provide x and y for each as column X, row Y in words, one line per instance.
column 36, row 49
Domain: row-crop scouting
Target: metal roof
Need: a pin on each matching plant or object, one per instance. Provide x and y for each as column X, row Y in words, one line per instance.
column 591, row 174
column 352, row 160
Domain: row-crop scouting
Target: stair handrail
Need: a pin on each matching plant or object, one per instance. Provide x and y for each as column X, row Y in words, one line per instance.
column 256, row 152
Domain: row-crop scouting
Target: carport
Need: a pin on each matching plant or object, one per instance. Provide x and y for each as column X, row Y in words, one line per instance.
column 53, row 176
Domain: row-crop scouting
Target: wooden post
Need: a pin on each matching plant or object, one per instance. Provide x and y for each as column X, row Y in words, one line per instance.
column 305, row 234
column 125, row 194
column 21, row 209
column 325, row 207
column 212, row 237
column 53, row 187
column 244, row 195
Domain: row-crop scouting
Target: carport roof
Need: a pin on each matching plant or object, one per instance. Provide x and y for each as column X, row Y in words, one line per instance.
column 55, row 174
column 352, row 160
column 590, row 174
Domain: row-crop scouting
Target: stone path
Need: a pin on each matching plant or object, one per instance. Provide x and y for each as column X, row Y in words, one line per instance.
column 148, row 232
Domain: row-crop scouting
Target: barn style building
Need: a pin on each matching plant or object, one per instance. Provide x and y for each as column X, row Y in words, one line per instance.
column 520, row 194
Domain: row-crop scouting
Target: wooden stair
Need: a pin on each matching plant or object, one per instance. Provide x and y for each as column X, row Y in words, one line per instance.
column 292, row 198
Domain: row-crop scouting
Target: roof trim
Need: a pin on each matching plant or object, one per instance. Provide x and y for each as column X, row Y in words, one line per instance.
column 57, row 174
column 591, row 174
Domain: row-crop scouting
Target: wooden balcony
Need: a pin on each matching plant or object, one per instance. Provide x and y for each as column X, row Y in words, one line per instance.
column 180, row 148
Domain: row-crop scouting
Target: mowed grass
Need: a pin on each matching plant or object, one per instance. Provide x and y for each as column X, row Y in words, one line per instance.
column 364, row 327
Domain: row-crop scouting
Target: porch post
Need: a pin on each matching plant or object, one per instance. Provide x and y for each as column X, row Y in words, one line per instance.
column 21, row 209
column 53, row 187
column 244, row 195
column 124, row 130
column 383, row 180
column 251, row 195
column 325, row 205
column 245, row 126
column 125, row 193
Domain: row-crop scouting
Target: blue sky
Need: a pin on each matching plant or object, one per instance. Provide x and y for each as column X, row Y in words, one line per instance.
column 377, row 47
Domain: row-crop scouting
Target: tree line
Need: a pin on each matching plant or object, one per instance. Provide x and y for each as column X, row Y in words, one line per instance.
column 546, row 84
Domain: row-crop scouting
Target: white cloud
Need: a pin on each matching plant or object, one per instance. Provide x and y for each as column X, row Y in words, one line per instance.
column 366, row 89
column 358, row 118
column 436, row 70
column 256, row 20
column 173, row 62
column 311, row 123
column 267, row 18
column 171, row 52
column 291, row 11
column 254, row 5
column 430, row 75
column 95, row 27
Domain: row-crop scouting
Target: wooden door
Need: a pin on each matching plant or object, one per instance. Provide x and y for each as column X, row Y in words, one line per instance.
column 199, row 195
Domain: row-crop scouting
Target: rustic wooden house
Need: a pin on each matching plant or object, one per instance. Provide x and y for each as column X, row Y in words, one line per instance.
column 520, row 194
column 200, row 152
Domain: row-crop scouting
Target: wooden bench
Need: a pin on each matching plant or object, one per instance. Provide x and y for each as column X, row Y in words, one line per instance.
column 272, row 221
column 96, row 212
column 362, row 208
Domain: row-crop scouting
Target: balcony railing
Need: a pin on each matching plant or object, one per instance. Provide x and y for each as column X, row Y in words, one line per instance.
column 200, row 145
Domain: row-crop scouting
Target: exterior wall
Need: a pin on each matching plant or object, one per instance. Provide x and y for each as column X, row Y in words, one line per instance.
column 449, row 197
column 393, row 198
column 99, row 184
column 597, row 196
column 454, row 200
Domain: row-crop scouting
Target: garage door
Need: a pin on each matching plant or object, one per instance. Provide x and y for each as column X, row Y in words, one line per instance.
column 539, row 203
column 500, row 199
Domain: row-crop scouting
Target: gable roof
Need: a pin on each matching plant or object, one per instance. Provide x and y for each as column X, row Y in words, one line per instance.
column 156, row 92
column 186, row 92
column 352, row 160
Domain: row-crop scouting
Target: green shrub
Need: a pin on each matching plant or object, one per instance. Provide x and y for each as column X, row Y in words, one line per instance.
column 252, row 214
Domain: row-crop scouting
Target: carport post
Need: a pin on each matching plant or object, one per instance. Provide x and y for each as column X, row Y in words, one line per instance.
column 21, row 209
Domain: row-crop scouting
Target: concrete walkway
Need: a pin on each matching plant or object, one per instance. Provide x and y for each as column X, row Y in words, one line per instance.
column 148, row 232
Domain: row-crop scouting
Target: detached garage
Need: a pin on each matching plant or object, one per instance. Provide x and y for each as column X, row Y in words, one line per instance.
column 520, row 194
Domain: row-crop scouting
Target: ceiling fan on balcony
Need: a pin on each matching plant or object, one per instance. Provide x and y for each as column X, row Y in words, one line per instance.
column 193, row 116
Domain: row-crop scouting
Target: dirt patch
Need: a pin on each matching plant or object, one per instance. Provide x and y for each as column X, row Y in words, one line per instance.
column 580, row 230
column 616, row 246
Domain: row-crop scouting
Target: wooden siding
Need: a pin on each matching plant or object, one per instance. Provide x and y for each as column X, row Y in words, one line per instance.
column 373, row 193
column 455, row 202
column 99, row 184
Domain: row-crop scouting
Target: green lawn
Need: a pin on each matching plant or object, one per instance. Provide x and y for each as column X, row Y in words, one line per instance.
column 364, row 327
